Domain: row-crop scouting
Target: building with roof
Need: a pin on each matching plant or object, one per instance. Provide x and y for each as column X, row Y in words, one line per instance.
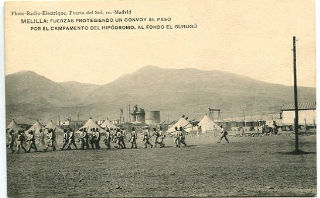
column 307, row 114
column 138, row 115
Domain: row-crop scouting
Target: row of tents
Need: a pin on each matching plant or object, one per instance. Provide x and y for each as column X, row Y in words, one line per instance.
column 206, row 124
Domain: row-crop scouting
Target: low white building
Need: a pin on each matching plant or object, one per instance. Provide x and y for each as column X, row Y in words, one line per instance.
column 307, row 114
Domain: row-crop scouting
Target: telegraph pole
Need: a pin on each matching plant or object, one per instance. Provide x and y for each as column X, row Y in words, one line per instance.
column 296, row 120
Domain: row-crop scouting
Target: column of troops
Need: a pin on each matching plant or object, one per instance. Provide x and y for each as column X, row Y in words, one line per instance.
column 90, row 139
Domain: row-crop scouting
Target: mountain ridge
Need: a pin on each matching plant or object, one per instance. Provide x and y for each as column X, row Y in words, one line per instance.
column 172, row 91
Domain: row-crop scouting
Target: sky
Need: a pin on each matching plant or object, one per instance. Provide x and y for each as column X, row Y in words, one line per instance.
column 247, row 37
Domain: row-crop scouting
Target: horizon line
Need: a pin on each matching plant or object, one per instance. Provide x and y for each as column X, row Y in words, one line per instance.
column 152, row 66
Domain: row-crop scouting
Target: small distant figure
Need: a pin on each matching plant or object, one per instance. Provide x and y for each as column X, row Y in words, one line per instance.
column 20, row 141
column 107, row 140
column 51, row 140
column 242, row 131
column 146, row 138
column 157, row 135
column 118, row 139
column 71, row 140
column 133, row 138
column 182, row 137
column 42, row 138
column 11, row 140
column 96, row 138
column 161, row 137
column 224, row 134
column 122, row 137
column 83, row 136
column 32, row 142
column 65, row 139
column 91, row 140
column 199, row 130
column 176, row 134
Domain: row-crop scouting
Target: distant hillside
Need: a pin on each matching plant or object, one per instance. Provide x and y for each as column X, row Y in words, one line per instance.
column 27, row 87
column 79, row 90
column 172, row 91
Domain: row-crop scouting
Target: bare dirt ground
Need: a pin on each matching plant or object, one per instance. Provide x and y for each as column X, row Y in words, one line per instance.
column 248, row 166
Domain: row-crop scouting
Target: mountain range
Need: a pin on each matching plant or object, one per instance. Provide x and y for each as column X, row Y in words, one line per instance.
column 174, row 92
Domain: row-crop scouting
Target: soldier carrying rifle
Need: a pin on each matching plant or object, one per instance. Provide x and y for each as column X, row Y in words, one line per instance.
column 32, row 142
column 107, row 139
column 20, row 141
column 133, row 139
column 146, row 138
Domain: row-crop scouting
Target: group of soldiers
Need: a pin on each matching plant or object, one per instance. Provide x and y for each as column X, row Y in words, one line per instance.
column 27, row 141
column 89, row 139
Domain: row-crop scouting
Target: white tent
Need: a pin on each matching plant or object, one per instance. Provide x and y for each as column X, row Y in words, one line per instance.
column 90, row 125
column 14, row 126
column 50, row 125
column 108, row 124
column 208, row 125
column 36, row 128
column 182, row 122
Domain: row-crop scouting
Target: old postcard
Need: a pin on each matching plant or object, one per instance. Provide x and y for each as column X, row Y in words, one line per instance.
column 160, row 98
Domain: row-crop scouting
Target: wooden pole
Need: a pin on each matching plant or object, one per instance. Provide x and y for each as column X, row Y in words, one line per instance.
column 296, row 120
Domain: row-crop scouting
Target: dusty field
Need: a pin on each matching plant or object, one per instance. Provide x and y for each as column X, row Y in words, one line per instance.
column 248, row 166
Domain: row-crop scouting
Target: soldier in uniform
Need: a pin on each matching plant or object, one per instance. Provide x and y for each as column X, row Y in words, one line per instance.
column 182, row 137
column 32, row 142
column 176, row 134
column 156, row 134
column 146, row 138
column 12, row 140
column 71, row 140
column 118, row 138
column 65, row 139
column 42, row 138
column 224, row 134
column 123, row 136
column 20, row 141
column 86, row 138
column 107, row 139
column 133, row 138
column 83, row 138
column 51, row 140
column 91, row 140
column 161, row 137
column 96, row 136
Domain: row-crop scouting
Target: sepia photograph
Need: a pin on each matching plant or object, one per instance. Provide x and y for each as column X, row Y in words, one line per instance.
column 160, row 98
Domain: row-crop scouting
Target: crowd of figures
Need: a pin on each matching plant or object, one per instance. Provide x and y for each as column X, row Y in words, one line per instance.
column 90, row 139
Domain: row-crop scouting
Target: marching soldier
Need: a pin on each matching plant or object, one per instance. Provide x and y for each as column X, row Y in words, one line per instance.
column 51, row 140
column 71, row 140
column 91, row 140
column 161, row 137
column 123, row 136
column 224, row 134
column 20, row 141
column 96, row 135
column 32, row 142
column 83, row 138
column 65, row 139
column 12, row 140
column 42, row 138
column 176, row 140
column 107, row 139
column 182, row 137
column 86, row 138
column 146, row 138
column 156, row 134
column 133, row 139
column 118, row 138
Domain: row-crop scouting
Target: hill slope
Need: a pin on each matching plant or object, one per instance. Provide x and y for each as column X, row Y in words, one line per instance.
column 173, row 91
column 27, row 87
